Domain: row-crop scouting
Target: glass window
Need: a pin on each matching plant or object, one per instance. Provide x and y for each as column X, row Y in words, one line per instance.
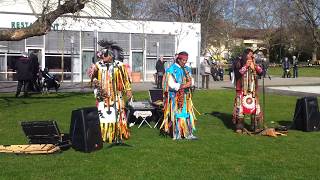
column 53, row 63
column 151, row 64
column 87, row 57
column 7, row 65
column 137, row 59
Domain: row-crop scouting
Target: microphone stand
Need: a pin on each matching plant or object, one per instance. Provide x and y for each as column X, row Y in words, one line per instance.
column 117, row 140
column 263, row 98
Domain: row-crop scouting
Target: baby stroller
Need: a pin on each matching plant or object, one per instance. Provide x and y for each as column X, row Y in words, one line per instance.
column 49, row 81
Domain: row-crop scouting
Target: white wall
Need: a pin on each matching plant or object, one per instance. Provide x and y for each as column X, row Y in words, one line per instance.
column 187, row 34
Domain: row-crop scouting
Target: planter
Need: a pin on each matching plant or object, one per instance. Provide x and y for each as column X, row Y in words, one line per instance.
column 136, row 77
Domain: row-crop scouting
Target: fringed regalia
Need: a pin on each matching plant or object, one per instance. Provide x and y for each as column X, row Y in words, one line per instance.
column 179, row 118
column 110, row 101
column 247, row 101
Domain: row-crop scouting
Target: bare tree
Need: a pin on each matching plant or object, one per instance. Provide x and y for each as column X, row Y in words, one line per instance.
column 195, row 11
column 309, row 12
column 49, row 11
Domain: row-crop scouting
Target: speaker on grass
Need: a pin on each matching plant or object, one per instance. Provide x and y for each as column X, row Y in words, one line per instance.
column 307, row 115
column 85, row 130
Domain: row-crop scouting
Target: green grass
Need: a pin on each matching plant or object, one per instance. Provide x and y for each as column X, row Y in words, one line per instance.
column 302, row 71
column 218, row 154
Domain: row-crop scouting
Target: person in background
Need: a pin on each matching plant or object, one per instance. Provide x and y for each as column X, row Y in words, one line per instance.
column 24, row 70
column 160, row 71
column 221, row 73
column 214, row 71
column 178, row 111
column 286, row 68
column 205, row 72
column 35, row 74
column 295, row 66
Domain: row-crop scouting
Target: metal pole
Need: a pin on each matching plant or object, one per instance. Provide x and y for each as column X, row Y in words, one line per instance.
column 198, row 63
column 157, row 44
column 95, row 46
column 72, row 57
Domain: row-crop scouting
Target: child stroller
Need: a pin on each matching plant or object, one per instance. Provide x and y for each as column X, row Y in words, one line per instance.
column 49, row 81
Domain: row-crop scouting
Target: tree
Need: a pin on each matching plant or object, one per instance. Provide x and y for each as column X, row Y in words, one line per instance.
column 131, row 9
column 309, row 12
column 49, row 12
column 208, row 13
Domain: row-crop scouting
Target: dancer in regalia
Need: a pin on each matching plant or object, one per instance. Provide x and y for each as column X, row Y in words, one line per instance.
column 111, row 81
column 246, row 100
column 179, row 117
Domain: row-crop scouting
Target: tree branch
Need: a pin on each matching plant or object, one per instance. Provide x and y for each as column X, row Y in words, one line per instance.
column 43, row 24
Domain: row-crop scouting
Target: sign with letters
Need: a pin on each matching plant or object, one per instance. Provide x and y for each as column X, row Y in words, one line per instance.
column 21, row 24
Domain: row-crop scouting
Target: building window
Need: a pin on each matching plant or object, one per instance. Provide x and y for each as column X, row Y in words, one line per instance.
column 7, row 66
column 54, row 64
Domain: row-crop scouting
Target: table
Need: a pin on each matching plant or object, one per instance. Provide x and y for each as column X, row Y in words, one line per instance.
column 143, row 114
column 141, row 109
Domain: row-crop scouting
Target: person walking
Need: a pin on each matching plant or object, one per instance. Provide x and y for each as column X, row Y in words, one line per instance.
column 24, row 70
column 160, row 71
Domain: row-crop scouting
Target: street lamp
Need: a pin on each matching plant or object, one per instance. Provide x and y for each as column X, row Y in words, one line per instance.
column 72, row 58
column 198, row 59
column 95, row 46
column 157, row 45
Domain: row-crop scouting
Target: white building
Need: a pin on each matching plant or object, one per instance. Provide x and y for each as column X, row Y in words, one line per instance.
column 69, row 47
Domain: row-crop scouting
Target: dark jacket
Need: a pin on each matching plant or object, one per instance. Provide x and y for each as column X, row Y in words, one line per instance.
column 34, row 63
column 160, row 66
column 286, row 64
column 24, row 68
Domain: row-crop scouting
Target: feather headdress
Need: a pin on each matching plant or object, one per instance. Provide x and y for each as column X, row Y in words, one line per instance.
column 116, row 50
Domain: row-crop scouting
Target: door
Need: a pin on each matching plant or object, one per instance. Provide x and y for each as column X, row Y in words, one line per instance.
column 137, row 62
column 137, row 66
column 87, row 60
column 39, row 53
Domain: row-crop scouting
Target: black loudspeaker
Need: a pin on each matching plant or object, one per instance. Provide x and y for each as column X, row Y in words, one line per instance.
column 85, row 131
column 306, row 115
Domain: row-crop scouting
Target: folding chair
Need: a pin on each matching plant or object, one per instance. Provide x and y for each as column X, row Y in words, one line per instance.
column 156, row 100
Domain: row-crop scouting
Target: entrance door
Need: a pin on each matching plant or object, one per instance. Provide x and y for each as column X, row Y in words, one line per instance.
column 39, row 53
column 137, row 62
column 87, row 57
column 137, row 66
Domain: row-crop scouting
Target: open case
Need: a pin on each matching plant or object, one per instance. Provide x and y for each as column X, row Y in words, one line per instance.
column 45, row 132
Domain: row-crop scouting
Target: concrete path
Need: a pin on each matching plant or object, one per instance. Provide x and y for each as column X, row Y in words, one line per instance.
column 289, row 86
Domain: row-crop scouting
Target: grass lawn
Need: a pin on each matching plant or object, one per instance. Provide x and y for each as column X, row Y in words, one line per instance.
column 218, row 154
column 302, row 71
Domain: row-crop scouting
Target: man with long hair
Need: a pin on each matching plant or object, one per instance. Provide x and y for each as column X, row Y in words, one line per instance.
column 111, row 81
column 246, row 101
column 179, row 118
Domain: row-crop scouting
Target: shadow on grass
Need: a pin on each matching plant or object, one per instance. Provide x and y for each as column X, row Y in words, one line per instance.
column 288, row 124
column 225, row 118
column 13, row 101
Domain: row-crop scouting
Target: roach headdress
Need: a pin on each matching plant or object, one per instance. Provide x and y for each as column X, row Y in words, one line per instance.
column 117, row 51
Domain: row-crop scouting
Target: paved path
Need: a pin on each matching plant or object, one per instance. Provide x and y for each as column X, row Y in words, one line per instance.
column 290, row 86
